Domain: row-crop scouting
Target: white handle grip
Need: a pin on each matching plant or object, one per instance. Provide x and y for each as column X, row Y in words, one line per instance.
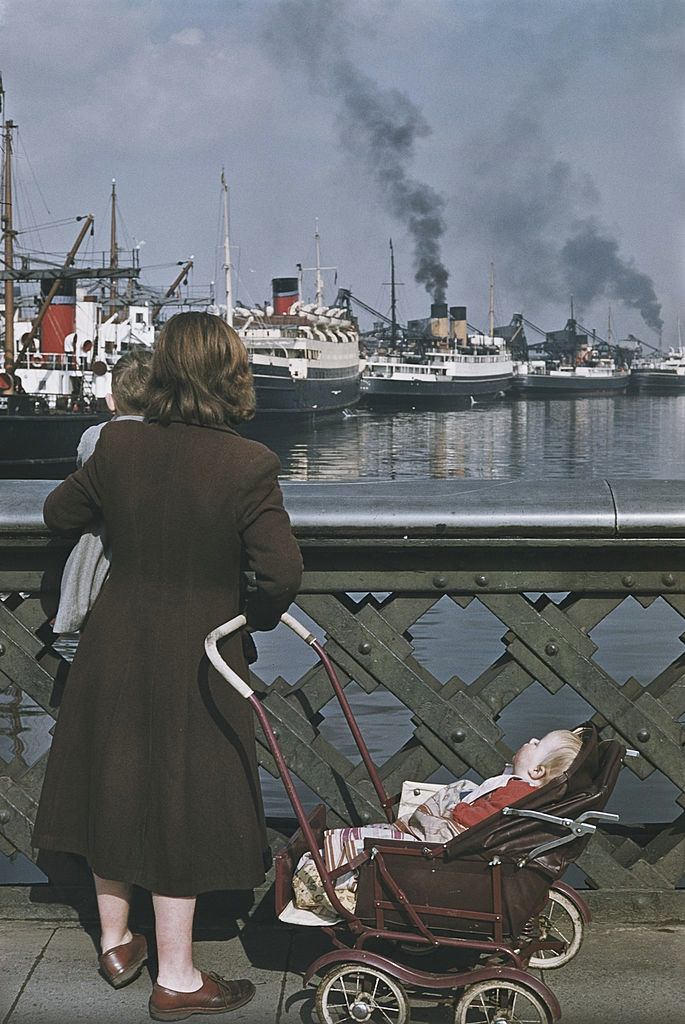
column 298, row 628
column 232, row 626
column 218, row 662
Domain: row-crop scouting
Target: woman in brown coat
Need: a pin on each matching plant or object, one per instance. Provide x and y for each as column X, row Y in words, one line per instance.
column 152, row 775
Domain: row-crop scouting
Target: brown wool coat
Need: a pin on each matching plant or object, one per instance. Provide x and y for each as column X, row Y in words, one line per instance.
column 152, row 775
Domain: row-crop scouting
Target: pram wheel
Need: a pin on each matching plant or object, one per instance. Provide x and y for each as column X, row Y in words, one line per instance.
column 353, row 993
column 559, row 919
column 501, row 1002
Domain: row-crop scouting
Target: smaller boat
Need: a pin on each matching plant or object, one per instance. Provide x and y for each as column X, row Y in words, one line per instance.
column 664, row 376
column 575, row 363
column 547, row 379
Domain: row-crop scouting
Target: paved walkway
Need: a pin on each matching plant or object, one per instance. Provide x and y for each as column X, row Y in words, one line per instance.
column 626, row 974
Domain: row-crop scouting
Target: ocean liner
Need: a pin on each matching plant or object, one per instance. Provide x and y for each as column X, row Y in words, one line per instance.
column 304, row 356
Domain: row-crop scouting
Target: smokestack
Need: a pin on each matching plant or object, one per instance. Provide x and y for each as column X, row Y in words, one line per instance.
column 439, row 325
column 285, row 290
column 60, row 318
column 458, row 329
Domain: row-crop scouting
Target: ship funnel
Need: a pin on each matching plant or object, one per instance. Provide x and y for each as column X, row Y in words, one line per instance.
column 60, row 319
column 458, row 329
column 439, row 319
column 286, row 291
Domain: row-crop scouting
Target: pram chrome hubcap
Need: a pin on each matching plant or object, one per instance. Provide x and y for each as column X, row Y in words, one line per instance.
column 501, row 1002
column 355, row 993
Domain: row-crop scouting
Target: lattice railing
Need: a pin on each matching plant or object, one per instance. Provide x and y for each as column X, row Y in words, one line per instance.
column 380, row 558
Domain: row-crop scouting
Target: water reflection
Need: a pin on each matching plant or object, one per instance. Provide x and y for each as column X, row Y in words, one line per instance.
column 618, row 436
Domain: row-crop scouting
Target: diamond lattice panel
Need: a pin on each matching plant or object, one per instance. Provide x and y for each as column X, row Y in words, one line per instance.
column 385, row 722
column 449, row 640
column 637, row 641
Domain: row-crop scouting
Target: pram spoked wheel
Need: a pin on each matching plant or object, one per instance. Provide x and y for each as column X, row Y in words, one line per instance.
column 559, row 919
column 501, row 1002
column 353, row 993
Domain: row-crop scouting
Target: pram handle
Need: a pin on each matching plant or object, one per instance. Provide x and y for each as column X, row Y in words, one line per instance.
column 241, row 687
column 232, row 626
column 211, row 641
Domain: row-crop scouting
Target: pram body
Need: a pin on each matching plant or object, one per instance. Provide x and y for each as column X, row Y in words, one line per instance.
column 472, row 901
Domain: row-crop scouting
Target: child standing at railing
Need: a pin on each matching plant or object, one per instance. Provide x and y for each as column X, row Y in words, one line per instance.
column 88, row 564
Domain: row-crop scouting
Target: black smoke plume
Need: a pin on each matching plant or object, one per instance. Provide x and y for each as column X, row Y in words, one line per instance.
column 594, row 268
column 380, row 125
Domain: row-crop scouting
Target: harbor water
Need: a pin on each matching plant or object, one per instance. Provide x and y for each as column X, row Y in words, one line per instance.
column 625, row 436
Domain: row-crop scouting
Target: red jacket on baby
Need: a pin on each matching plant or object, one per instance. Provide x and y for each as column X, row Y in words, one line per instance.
column 467, row 815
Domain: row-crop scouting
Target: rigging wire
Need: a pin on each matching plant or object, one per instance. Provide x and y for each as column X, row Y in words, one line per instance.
column 20, row 137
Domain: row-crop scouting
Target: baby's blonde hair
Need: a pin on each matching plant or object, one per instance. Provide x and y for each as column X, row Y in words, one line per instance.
column 568, row 745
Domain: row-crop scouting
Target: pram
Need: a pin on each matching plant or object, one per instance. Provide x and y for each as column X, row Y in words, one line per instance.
column 480, row 903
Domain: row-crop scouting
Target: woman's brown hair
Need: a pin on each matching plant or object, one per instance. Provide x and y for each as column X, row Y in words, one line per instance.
column 200, row 372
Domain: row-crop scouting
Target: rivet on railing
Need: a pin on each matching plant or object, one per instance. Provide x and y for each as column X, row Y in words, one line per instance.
column 551, row 649
column 482, row 581
column 644, row 735
column 4, row 817
column 458, row 736
column 440, row 582
column 628, row 581
column 276, row 733
column 668, row 579
column 364, row 647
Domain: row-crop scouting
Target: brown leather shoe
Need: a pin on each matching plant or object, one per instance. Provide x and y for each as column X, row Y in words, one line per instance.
column 124, row 963
column 217, row 995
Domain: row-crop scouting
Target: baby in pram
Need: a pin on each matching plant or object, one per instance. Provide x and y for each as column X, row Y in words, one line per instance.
column 450, row 810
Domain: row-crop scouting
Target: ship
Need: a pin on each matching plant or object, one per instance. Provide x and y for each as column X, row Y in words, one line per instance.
column 439, row 365
column 60, row 344
column 575, row 363
column 304, row 356
column 660, row 374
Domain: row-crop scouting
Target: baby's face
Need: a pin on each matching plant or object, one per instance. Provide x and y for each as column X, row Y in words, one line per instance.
column 532, row 754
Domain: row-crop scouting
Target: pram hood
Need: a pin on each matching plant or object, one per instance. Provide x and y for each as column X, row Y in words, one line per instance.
column 586, row 786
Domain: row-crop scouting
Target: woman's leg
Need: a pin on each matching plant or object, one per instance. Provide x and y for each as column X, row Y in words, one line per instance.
column 114, row 900
column 174, row 930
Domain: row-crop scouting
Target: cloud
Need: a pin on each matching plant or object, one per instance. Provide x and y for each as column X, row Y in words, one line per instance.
column 188, row 37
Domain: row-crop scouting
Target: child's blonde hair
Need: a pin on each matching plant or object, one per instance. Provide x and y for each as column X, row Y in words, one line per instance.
column 130, row 381
column 568, row 746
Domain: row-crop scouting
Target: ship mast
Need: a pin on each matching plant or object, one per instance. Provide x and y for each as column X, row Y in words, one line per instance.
column 393, row 298
column 113, row 251
column 8, row 236
column 319, row 276
column 228, row 269
column 610, row 330
column 491, row 301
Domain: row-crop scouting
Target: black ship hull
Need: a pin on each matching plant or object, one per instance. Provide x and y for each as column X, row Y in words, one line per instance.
column 381, row 393
column 41, row 446
column 539, row 385
column 658, row 382
column 280, row 394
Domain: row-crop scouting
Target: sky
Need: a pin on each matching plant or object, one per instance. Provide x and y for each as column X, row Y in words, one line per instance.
column 544, row 137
